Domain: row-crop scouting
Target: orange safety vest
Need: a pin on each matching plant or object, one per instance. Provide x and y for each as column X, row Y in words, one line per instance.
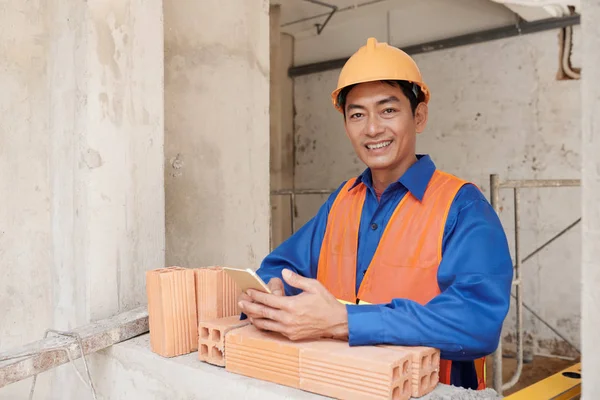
column 406, row 261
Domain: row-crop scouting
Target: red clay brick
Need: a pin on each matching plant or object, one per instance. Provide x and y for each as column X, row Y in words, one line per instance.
column 172, row 311
column 263, row 355
column 326, row 367
column 211, row 338
column 334, row 369
column 425, row 368
column 216, row 293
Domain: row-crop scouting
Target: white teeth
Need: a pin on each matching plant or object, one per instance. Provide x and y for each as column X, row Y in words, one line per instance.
column 379, row 145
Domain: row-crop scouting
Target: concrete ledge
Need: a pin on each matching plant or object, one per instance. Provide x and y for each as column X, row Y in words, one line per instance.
column 37, row 357
column 130, row 370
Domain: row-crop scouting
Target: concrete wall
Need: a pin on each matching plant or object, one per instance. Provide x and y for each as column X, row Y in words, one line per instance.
column 81, row 167
column 281, row 127
column 26, row 238
column 496, row 108
column 217, row 132
column 591, row 197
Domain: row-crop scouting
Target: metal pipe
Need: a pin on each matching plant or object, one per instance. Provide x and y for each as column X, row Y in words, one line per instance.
column 519, row 295
column 292, row 209
column 352, row 7
column 497, row 356
column 539, row 183
column 292, row 193
column 512, row 30
column 334, row 8
column 287, row 192
column 553, row 329
column 559, row 234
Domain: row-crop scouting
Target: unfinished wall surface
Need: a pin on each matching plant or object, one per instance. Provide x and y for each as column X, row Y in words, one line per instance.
column 281, row 110
column 217, row 132
column 81, row 168
column 25, row 187
column 590, row 197
column 496, row 108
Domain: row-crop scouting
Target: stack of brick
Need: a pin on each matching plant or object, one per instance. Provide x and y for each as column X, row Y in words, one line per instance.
column 332, row 368
column 196, row 309
column 172, row 311
column 181, row 298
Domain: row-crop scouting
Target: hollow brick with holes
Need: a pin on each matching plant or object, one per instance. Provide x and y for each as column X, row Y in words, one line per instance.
column 326, row 367
column 425, row 366
column 335, row 369
column 211, row 338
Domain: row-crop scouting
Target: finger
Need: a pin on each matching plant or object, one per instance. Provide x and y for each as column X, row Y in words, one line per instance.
column 270, row 325
column 276, row 286
column 270, row 300
column 248, row 311
column 258, row 310
column 297, row 281
column 244, row 297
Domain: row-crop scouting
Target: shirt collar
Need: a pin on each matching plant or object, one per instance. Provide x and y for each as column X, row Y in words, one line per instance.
column 415, row 179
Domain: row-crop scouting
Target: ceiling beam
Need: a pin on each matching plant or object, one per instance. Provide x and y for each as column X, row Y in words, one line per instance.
column 521, row 28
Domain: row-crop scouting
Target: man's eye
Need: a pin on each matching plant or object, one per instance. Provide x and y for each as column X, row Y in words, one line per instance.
column 389, row 110
column 356, row 115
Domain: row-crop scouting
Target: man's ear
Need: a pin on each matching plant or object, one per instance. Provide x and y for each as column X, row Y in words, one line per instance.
column 421, row 115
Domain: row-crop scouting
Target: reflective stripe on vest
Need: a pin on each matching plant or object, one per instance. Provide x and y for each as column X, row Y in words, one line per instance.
column 406, row 261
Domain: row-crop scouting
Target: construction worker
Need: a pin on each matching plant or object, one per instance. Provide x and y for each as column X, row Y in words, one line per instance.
column 403, row 254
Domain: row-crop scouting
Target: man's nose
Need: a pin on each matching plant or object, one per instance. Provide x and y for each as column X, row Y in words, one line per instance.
column 374, row 127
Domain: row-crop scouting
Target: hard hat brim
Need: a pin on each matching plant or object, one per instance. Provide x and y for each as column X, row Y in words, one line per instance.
column 336, row 92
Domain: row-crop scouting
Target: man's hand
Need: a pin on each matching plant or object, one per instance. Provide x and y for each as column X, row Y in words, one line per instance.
column 275, row 285
column 314, row 313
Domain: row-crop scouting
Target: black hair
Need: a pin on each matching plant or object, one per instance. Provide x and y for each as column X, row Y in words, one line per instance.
column 412, row 91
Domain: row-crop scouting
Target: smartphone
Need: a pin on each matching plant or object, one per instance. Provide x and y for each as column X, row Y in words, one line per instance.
column 247, row 279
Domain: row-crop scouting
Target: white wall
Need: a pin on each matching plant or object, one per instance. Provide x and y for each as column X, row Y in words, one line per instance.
column 81, row 168
column 496, row 108
column 217, row 132
column 591, row 198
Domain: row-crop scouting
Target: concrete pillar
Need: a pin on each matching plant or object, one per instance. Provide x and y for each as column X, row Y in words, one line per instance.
column 217, row 132
column 590, row 271
column 81, row 167
column 282, row 128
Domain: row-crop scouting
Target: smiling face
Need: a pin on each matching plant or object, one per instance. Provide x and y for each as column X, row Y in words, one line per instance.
column 382, row 128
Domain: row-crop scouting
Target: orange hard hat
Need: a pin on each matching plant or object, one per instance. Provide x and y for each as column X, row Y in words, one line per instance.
column 377, row 62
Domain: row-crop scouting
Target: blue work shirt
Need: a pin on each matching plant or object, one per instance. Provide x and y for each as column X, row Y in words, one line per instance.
column 475, row 275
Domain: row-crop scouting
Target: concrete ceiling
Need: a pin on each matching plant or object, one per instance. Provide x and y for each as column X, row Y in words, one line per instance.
column 399, row 22
column 300, row 17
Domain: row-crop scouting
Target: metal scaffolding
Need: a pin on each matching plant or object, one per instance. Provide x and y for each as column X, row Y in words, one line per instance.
column 295, row 192
column 495, row 186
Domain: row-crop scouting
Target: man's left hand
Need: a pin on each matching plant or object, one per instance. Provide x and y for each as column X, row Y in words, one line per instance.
column 314, row 313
